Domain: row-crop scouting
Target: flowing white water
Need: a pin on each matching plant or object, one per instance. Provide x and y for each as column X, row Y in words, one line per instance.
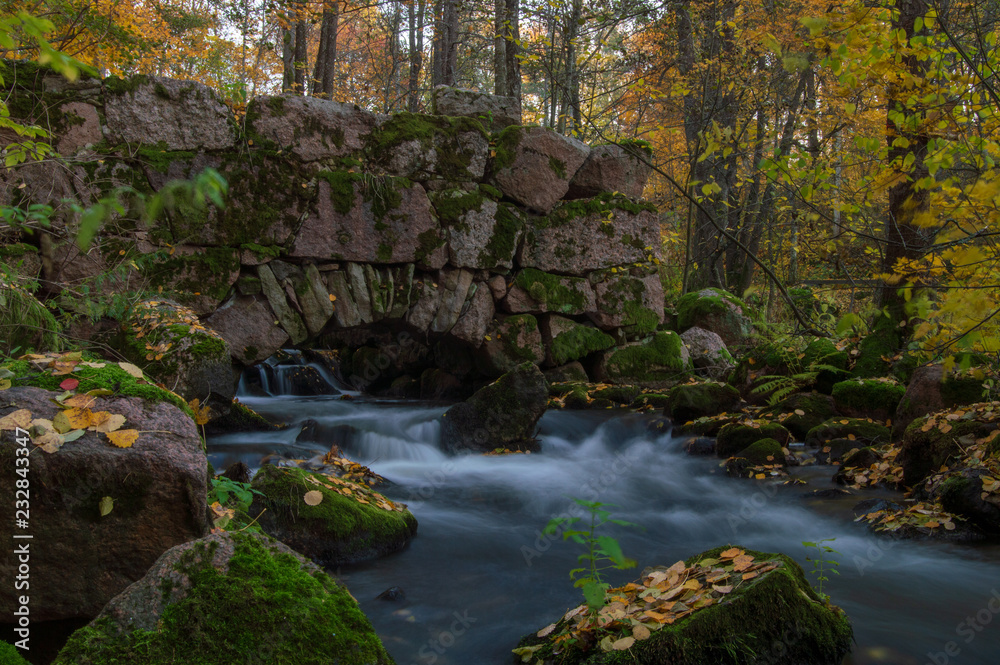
column 479, row 574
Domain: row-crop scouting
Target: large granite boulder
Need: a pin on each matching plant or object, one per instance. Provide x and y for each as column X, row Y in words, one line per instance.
column 535, row 291
column 579, row 237
column 495, row 112
column 727, row 605
column 501, row 415
column 481, row 233
column 631, row 302
column 612, row 168
column 236, row 597
column 81, row 554
column 341, row 523
column 311, row 128
column 868, row 398
column 534, row 165
column 180, row 115
column 709, row 354
column 510, row 342
column 371, row 219
column 476, row 317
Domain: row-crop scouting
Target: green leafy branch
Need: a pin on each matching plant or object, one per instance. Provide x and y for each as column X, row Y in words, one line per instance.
column 601, row 552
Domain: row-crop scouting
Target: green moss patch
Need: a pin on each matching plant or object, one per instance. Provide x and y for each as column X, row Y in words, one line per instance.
column 578, row 342
column 110, row 377
column 871, row 398
column 266, row 605
column 351, row 523
column 557, row 293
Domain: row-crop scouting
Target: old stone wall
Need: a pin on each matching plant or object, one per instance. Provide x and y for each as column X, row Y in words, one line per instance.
column 468, row 250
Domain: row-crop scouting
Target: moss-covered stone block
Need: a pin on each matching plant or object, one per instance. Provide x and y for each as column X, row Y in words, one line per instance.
column 718, row 311
column 568, row 340
column 933, row 441
column 424, row 147
column 350, row 523
column 536, row 291
column 172, row 346
column 691, row 401
column 868, row 398
column 199, row 277
column 735, row 437
column 229, row 598
column 659, row 361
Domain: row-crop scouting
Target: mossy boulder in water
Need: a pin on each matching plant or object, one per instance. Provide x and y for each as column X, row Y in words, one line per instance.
column 868, row 398
column 691, row 401
column 774, row 616
column 500, row 415
column 344, row 523
column 735, row 437
column 229, row 598
column 865, row 432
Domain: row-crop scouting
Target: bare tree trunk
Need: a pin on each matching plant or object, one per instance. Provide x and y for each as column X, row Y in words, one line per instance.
column 904, row 238
column 287, row 60
column 392, row 81
column 326, row 58
column 301, row 54
column 513, row 37
column 416, row 19
column 506, row 66
column 445, row 61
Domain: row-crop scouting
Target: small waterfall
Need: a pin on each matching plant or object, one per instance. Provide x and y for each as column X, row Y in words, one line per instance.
column 290, row 373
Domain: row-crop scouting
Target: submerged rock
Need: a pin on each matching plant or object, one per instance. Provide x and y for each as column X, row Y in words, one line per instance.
column 501, row 415
column 343, row 522
column 229, row 598
column 759, row 608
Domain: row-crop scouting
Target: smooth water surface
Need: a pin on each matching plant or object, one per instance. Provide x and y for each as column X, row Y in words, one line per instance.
column 479, row 574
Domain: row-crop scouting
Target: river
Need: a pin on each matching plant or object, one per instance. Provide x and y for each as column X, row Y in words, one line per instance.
column 479, row 574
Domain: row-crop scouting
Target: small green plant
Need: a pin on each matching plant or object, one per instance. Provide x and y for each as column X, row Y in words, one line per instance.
column 822, row 565
column 223, row 490
column 600, row 552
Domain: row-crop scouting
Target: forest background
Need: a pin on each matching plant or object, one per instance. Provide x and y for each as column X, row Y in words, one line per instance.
column 850, row 146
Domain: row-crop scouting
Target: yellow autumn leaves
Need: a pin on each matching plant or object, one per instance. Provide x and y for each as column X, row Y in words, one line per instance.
column 663, row 596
